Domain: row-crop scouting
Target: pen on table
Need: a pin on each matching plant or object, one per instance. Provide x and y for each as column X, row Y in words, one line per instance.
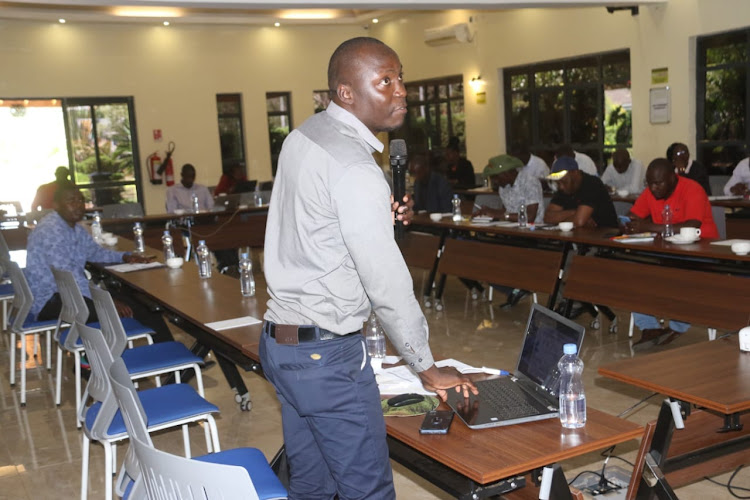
column 494, row 371
column 478, row 207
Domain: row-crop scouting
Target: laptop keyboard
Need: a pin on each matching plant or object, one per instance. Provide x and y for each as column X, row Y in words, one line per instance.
column 506, row 398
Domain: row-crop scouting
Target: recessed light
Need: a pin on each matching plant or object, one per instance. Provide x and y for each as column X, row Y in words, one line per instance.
column 61, row 20
column 166, row 23
column 375, row 21
column 277, row 24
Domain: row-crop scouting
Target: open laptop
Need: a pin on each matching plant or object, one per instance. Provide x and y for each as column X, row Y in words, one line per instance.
column 530, row 393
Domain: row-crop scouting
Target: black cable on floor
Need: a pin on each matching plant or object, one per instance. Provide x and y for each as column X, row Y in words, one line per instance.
column 628, row 410
column 729, row 486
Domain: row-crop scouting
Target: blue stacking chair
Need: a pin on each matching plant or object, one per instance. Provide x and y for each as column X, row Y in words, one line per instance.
column 6, row 292
column 240, row 473
column 169, row 406
column 146, row 360
column 23, row 324
column 74, row 310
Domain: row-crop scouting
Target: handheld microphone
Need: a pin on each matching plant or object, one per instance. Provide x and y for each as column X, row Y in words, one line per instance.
column 398, row 159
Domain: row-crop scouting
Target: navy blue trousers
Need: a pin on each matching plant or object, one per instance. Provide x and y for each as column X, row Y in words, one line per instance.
column 334, row 431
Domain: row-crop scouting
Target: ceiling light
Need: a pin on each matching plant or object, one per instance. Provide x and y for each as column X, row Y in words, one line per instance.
column 277, row 24
column 61, row 20
column 166, row 23
column 147, row 12
column 308, row 14
column 375, row 21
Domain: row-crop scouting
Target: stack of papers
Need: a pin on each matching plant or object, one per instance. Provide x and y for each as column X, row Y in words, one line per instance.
column 402, row 380
column 635, row 238
column 233, row 323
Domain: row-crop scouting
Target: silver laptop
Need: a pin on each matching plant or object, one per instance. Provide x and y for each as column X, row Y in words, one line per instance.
column 529, row 393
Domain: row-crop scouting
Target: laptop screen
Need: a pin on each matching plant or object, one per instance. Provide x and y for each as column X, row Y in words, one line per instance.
column 546, row 333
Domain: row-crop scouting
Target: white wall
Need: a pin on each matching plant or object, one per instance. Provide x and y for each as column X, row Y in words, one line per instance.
column 174, row 73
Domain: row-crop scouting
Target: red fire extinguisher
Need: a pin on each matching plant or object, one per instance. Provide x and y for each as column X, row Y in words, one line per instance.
column 152, row 163
column 165, row 168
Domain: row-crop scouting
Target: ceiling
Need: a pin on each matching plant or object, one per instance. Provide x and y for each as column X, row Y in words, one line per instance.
column 261, row 11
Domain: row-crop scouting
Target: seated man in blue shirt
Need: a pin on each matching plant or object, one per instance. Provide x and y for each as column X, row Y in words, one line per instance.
column 59, row 241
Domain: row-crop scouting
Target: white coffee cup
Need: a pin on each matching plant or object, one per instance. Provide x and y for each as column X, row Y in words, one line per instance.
column 175, row 262
column 566, row 226
column 741, row 247
column 745, row 339
column 436, row 217
column 622, row 193
column 690, row 233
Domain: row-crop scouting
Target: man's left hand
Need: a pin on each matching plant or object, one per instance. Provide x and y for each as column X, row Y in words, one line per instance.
column 123, row 310
column 403, row 212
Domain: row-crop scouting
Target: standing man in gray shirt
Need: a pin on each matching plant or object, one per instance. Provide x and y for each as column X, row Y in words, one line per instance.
column 330, row 254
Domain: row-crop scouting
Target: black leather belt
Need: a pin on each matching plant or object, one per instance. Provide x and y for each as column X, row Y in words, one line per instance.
column 294, row 334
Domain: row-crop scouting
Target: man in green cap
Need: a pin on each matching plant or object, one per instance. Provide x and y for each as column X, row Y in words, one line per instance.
column 515, row 187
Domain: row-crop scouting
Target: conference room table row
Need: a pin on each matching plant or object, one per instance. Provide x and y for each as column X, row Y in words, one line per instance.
column 466, row 463
column 703, row 282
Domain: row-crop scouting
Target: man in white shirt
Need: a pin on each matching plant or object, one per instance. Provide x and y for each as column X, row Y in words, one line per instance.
column 739, row 183
column 584, row 161
column 533, row 165
column 625, row 173
column 180, row 196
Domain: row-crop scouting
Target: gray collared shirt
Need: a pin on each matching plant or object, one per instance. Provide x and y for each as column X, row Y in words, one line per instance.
column 329, row 247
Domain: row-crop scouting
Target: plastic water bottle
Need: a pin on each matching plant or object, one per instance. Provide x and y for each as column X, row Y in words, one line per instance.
column 204, row 259
column 257, row 198
column 522, row 221
column 166, row 241
column 375, row 337
column 195, row 203
column 96, row 227
column 247, row 280
column 457, row 216
column 572, row 396
column 668, row 227
column 140, row 246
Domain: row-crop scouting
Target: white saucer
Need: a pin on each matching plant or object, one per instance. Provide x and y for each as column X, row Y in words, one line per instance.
column 741, row 253
column 679, row 240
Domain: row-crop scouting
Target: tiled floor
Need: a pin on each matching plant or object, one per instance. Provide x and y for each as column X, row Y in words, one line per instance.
column 40, row 448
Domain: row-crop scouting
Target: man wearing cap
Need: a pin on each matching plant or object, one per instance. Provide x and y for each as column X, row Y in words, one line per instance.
column 581, row 198
column 515, row 186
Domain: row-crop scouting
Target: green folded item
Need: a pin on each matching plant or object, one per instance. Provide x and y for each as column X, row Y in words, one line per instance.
column 428, row 404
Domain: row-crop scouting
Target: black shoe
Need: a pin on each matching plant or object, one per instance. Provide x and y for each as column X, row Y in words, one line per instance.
column 513, row 298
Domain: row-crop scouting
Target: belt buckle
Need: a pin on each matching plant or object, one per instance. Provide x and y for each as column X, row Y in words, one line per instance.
column 287, row 334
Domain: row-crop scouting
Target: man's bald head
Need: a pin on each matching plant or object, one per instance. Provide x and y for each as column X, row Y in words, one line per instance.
column 345, row 57
column 621, row 160
column 661, row 178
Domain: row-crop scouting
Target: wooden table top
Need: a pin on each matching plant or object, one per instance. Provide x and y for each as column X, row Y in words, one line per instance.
column 161, row 218
column 202, row 301
column 715, row 374
column 594, row 237
column 488, row 455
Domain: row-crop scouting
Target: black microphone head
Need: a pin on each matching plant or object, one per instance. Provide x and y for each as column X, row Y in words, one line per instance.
column 398, row 147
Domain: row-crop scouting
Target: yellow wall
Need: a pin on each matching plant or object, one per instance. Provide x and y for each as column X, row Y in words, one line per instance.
column 174, row 73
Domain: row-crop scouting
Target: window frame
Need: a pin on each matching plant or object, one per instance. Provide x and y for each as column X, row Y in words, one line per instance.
column 228, row 162
column 288, row 113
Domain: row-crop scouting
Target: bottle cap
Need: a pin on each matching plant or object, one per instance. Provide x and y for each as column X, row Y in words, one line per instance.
column 570, row 349
column 166, row 233
column 201, row 242
column 244, row 256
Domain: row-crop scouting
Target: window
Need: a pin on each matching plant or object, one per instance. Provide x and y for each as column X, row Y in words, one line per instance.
column 435, row 114
column 231, row 132
column 102, row 150
column 722, row 95
column 321, row 98
column 279, row 114
column 585, row 102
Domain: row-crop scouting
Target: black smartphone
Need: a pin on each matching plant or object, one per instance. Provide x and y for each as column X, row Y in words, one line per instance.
column 436, row 422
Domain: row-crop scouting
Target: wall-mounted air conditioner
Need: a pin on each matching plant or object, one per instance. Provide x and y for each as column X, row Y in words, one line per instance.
column 456, row 33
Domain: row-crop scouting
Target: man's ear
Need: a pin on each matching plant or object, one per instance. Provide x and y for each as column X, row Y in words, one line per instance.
column 344, row 93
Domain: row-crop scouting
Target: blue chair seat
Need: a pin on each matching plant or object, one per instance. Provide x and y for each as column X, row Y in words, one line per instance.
column 251, row 459
column 162, row 405
column 6, row 290
column 31, row 323
column 133, row 328
column 158, row 356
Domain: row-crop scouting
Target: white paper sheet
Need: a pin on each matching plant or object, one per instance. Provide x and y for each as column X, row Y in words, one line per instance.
column 402, row 380
column 233, row 323
column 127, row 268
column 729, row 243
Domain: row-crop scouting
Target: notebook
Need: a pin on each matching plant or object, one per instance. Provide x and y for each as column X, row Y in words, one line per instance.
column 529, row 393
